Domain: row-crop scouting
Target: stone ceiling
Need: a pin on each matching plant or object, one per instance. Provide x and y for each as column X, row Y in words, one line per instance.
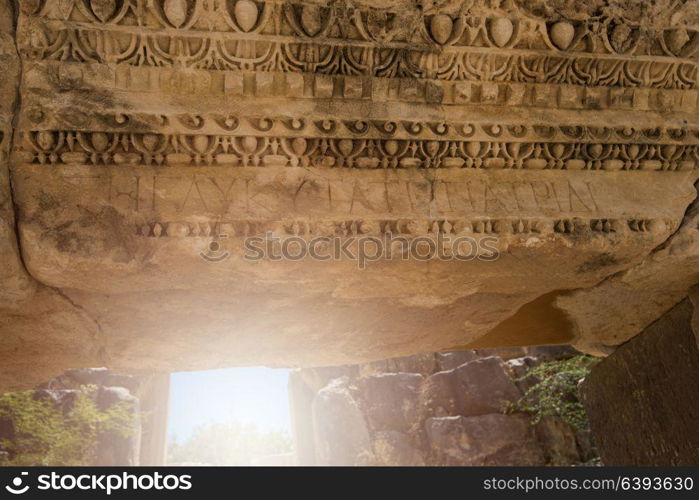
column 142, row 140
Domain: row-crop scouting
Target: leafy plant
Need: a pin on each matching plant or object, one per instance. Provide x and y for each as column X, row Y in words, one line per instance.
column 229, row 443
column 556, row 393
column 45, row 434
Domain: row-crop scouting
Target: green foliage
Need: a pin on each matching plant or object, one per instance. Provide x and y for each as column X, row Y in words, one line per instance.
column 45, row 435
column 231, row 443
column 556, row 393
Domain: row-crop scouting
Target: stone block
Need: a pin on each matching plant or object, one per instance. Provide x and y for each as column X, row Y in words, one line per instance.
column 558, row 441
column 643, row 400
column 390, row 401
column 484, row 386
column 493, row 439
column 341, row 432
column 451, row 360
column 393, row 448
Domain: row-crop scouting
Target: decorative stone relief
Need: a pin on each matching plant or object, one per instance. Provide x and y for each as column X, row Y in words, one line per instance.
column 152, row 130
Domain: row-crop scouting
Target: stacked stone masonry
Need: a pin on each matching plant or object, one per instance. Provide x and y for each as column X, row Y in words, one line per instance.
column 436, row 409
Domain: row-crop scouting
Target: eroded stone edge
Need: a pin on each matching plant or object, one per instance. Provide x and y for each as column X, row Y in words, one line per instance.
column 622, row 305
column 23, row 297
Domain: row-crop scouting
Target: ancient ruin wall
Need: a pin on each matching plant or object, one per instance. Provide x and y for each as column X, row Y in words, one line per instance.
column 147, row 130
column 431, row 409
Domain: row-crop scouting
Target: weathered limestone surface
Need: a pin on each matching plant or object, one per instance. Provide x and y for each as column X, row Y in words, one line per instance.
column 484, row 440
column 148, row 139
column 341, row 431
column 16, row 284
column 41, row 331
column 625, row 303
column 642, row 400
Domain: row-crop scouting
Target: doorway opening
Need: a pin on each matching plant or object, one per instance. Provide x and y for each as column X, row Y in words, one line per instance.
column 234, row 416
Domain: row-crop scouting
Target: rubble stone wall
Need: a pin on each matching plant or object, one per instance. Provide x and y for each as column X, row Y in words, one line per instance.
column 434, row 409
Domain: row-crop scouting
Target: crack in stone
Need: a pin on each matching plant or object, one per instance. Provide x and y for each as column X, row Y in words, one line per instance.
column 16, row 109
column 102, row 354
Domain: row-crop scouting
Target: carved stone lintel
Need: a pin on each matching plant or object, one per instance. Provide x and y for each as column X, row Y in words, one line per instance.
column 148, row 129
